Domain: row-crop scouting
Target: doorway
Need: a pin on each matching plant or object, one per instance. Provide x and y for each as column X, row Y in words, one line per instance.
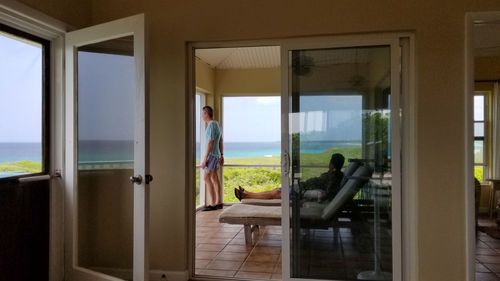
column 317, row 77
column 483, row 98
column 242, row 85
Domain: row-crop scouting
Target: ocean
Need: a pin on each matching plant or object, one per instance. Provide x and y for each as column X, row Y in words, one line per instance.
column 90, row 151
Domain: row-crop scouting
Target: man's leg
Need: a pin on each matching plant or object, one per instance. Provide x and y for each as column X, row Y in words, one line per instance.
column 209, row 187
column 216, row 186
column 271, row 194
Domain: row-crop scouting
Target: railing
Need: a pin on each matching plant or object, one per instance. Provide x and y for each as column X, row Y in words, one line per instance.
column 106, row 165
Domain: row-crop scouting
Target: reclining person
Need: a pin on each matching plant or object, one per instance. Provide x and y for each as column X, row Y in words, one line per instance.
column 329, row 182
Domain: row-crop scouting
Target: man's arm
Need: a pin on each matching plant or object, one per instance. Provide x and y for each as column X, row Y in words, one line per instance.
column 209, row 148
column 221, row 149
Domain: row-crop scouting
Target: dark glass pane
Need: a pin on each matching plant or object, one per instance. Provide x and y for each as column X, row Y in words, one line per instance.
column 341, row 228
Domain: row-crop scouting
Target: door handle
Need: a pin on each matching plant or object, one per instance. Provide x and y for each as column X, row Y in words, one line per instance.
column 286, row 163
column 136, row 179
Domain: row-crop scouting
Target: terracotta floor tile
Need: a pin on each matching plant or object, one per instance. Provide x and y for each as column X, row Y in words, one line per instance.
column 212, row 240
column 486, row 277
column 210, row 247
column 200, row 263
column 258, row 266
column 224, row 265
column 258, row 257
column 267, row 250
column 224, row 235
column 206, row 254
column 215, row 272
column 486, row 251
column 481, row 268
column 237, row 249
column 271, row 243
column 488, row 259
column 231, row 256
column 493, row 267
column 493, row 244
column 253, row 275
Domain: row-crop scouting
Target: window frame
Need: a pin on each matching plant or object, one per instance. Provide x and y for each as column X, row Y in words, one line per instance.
column 46, row 90
column 486, row 136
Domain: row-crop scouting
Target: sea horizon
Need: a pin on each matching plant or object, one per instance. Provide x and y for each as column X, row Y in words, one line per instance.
column 123, row 150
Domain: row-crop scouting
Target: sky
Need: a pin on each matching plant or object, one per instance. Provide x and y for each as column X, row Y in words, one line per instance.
column 322, row 117
column 106, row 87
column 106, row 103
column 20, row 90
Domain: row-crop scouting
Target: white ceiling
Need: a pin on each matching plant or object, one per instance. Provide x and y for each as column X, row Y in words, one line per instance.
column 241, row 58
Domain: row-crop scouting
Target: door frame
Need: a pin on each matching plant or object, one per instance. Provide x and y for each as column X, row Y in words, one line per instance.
column 29, row 20
column 133, row 25
column 408, row 208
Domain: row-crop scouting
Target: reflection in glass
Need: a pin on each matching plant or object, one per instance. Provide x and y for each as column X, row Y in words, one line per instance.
column 340, row 224
column 106, row 95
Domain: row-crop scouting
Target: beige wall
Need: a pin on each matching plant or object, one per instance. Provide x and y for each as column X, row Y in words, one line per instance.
column 439, row 29
column 487, row 68
column 76, row 13
column 439, row 41
column 248, row 82
column 205, row 77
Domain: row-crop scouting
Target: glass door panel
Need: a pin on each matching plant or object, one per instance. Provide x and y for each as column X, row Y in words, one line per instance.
column 340, row 179
column 106, row 95
column 106, row 174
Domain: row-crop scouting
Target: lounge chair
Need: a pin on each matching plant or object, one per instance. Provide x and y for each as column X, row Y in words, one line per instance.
column 252, row 216
column 310, row 195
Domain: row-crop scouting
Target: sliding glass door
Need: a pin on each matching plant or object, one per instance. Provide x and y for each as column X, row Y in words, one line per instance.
column 341, row 147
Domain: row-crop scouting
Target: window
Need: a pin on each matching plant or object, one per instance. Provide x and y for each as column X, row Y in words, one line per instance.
column 200, row 102
column 252, row 144
column 480, row 136
column 24, row 105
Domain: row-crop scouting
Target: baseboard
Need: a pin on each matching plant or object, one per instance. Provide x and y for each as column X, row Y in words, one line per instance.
column 154, row 275
column 159, row 275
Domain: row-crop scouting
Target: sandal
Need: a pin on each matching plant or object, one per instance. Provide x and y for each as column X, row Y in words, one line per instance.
column 237, row 193
column 241, row 188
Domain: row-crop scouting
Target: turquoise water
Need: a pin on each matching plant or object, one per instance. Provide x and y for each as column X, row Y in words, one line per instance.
column 90, row 151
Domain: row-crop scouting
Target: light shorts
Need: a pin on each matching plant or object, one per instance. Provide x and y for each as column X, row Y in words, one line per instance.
column 213, row 163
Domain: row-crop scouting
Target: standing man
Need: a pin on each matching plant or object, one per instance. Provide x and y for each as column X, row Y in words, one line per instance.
column 213, row 158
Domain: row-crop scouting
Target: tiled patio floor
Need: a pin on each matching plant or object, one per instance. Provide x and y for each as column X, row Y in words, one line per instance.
column 487, row 254
column 221, row 250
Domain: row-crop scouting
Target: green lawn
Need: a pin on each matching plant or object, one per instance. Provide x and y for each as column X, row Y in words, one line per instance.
column 26, row 166
column 257, row 179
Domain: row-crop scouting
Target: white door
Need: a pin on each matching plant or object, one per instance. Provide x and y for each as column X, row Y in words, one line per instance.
column 107, row 196
column 341, row 96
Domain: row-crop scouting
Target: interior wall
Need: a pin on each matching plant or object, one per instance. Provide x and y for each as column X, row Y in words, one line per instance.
column 248, row 82
column 75, row 12
column 487, row 68
column 439, row 28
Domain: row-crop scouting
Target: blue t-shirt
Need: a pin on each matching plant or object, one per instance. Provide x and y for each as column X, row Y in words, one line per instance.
column 213, row 132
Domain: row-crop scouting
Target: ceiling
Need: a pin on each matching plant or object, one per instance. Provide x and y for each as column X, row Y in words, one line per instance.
column 241, row 58
column 487, row 38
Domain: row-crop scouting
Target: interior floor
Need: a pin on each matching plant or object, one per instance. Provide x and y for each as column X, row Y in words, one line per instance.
column 221, row 250
column 487, row 250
